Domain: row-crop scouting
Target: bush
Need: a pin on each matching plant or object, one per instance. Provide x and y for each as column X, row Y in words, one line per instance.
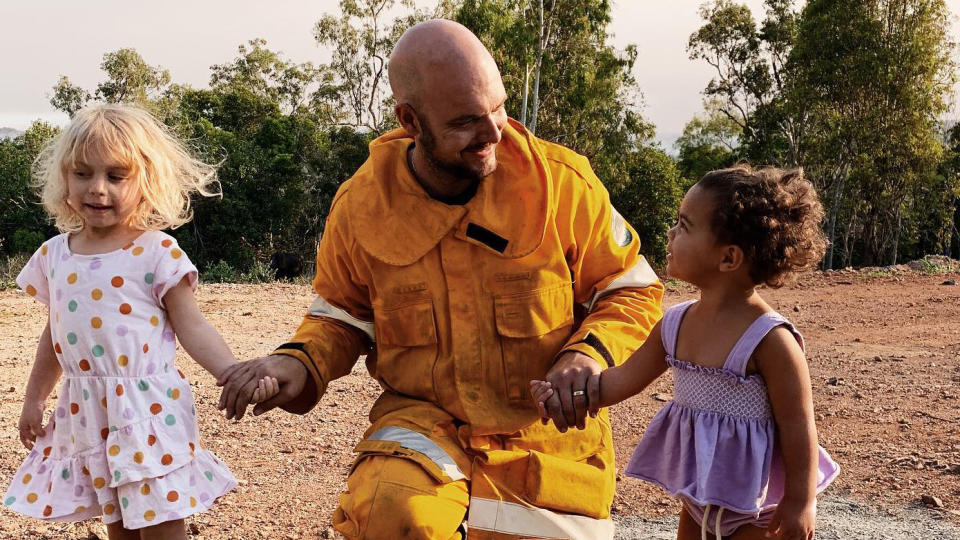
column 259, row 272
column 221, row 272
column 9, row 268
column 25, row 241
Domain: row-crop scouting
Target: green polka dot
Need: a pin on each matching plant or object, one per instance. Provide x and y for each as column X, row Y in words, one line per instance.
column 86, row 394
column 124, row 502
column 170, row 420
column 71, row 337
column 113, row 428
column 65, row 474
column 51, row 273
column 116, row 476
column 170, row 393
column 209, row 475
column 10, row 500
column 142, row 385
column 98, row 350
column 148, row 278
column 72, row 306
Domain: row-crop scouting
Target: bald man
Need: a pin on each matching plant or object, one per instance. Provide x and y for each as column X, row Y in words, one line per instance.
column 465, row 258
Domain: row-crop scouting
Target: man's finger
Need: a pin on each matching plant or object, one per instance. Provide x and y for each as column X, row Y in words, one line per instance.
column 225, row 374
column 243, row 399
column 237, row 377
column 593, row 395
column 555, row 411
column 233, row 392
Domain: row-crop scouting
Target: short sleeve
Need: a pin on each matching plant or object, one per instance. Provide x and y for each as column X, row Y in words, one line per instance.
column 33, row 278
column 172, row 266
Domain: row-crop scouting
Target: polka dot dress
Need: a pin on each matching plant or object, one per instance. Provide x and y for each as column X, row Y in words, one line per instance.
column 123, row 439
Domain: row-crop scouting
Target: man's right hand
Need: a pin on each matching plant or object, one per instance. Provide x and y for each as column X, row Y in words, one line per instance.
column 240, row 381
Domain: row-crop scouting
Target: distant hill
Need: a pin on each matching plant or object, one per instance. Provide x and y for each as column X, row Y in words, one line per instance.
column 9, row 133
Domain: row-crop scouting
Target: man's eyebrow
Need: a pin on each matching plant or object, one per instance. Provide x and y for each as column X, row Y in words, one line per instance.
column 471, row 117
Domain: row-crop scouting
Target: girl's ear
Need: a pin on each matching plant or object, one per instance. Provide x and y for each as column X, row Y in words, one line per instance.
column 732, row 258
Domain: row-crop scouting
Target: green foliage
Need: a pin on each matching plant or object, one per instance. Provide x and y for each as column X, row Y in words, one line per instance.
column 219, row 273
column 25, row 241
column 10, row 267
column 20, row 210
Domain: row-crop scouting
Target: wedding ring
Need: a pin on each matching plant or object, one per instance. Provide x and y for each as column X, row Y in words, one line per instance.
column 578, row 393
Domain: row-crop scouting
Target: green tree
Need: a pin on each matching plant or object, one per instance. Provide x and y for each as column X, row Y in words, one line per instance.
column 708, row 142
column 22, row 218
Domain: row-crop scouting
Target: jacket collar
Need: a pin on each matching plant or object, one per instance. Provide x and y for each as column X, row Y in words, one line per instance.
column 395, row 220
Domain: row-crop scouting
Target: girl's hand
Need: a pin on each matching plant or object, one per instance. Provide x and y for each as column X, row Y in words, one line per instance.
column 267, row 387
column 31, row 423
column 793, row 521
column 541, row 391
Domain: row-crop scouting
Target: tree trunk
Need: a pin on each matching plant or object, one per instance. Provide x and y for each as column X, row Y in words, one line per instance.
column 526, row 91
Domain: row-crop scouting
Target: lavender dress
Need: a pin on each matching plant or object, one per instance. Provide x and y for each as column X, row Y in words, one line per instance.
column 716, row 442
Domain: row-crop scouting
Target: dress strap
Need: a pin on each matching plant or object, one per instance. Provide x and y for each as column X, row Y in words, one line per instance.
column 670, row 326
column 743, row 350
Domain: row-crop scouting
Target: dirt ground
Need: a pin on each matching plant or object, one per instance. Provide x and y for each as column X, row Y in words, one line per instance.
column 884, row 355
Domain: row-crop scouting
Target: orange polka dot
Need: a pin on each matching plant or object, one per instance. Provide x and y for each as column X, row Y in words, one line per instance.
column 43, row 249
column 47, row 450
column 56, row 347
column 182, row 376
column 27, row 478
column 138, row 457
column 108, row 509
column 146, row 347
column 149, row 515
column 166, row 243
column 104, row 433
column 114, row 450
column 99, row 482
column 145, row 489
column 137, row 251
column 103, row 403
column 125, row 309
column 72, row 278
column 31, row 498
column 96, row 322
column 84, row 365
column 119, row 389
column 122, row 360
column 31, row 290
column 173, row 496
column 74, row 408
column 175, row 393
column 156, row 408
column 47, row 511
column 176, row 253
column 85, row 470
column 80, row 508
column 96, row 294
column 166, row 459
column 193, row 502
column 117, row 281
column 151, row 440
column 191, row 447
column 154, row 320
column 128, row 246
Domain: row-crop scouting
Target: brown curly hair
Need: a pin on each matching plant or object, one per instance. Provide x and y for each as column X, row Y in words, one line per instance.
column 773, row 215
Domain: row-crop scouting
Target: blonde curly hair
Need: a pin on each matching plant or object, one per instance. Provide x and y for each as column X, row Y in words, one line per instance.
column 165, row 171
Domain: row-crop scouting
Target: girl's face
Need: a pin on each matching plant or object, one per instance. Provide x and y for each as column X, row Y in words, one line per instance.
column 103, row 192
column 693, row 251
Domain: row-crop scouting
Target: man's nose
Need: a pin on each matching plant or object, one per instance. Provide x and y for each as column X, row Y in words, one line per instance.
column 492, row 129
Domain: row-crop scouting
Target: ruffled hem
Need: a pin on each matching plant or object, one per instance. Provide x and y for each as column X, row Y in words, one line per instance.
column 719, row 372
column 55, row 495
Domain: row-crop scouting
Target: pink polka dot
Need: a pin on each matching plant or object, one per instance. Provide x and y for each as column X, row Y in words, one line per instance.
column 193, row 480
column 204, row 496
column 96, row 264
column 61, row 412
column 42, row 469
column 128, row 413
column 121, row 330
column 127, row 430
column 78, row 491
column 63, row 450
column 59, row 295
column 83, row 421
column 168, row 335
column 64, row 257
column 151, row 367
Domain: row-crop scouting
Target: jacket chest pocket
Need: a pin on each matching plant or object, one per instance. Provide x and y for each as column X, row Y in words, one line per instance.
column 407, row 348
column 533, row 326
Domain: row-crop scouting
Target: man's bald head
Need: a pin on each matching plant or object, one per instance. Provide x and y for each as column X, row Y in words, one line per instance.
column 431, row 56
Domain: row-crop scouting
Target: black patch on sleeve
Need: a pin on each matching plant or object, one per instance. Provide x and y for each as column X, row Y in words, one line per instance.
column 598, row 346
column 296, row 347
column 491, row 239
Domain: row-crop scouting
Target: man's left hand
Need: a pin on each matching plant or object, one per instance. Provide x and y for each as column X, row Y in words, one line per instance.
column 572, row 396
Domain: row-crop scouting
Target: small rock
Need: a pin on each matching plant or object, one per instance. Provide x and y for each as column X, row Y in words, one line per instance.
column 12, row 389
column 194, row 530
column 661, row 397
column 329, row 533
column 833, row 381
column 878, row 358
column 949, row 282
column 931, row 500
column 246, row 313
column 796, row 308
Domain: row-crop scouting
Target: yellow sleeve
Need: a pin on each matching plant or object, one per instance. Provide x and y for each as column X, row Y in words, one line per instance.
column 612, row 280
column 338, row 327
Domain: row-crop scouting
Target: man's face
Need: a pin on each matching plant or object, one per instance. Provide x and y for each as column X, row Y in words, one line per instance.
column 461, row 127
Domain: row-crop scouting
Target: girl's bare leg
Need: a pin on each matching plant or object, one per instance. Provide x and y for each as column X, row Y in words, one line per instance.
column 168, row 530
column 115, row 531
column 689, row 529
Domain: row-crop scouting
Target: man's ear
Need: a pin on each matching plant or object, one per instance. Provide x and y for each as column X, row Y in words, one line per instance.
column 407, row 117
column 732, row 258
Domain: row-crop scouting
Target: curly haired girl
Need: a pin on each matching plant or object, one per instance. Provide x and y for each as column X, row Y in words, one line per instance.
column 737, row 444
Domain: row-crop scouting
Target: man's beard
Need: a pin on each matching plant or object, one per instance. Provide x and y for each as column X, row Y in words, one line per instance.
column 458, row 170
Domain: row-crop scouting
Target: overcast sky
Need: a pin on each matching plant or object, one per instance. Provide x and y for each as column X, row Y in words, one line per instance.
column 43, row 39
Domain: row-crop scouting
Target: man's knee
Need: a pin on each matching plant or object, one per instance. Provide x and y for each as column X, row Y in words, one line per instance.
column 394, row 498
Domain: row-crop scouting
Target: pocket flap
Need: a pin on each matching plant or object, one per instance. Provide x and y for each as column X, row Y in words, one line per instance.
column 412, row 325
column 568, row 486
column 534, row 313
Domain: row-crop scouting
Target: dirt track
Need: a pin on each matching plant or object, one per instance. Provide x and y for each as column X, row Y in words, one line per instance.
column 884, row 355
